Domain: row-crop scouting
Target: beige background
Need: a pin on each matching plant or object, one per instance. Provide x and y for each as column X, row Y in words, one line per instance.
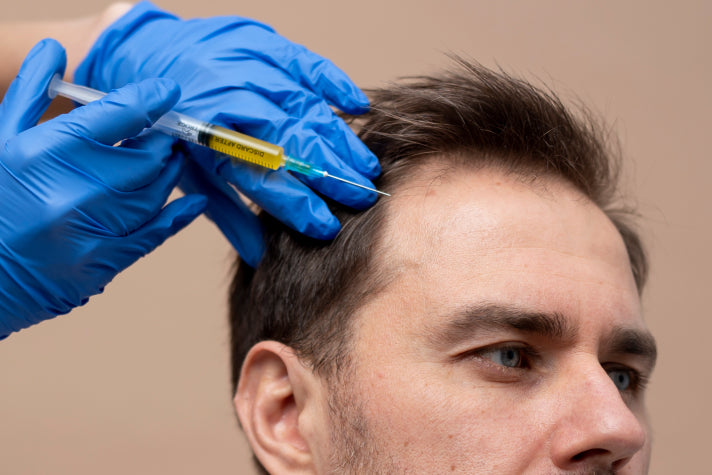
column 137, row 380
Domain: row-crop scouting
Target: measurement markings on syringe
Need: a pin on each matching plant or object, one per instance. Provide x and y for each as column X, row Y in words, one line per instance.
column 187, row 131
column 240, row 151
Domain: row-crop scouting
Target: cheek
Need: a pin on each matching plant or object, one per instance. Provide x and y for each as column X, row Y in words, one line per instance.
column 430, row 420
column 429, row 416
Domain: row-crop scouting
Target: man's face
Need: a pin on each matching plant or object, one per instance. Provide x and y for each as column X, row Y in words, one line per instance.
column 510, row 339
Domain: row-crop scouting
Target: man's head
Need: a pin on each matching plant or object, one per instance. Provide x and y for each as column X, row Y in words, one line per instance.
column 485, row 318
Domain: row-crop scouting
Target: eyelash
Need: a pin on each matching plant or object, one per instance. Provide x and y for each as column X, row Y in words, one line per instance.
column 529, row 357
column 638, row 380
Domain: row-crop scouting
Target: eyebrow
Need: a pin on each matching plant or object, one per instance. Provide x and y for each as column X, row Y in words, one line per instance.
column 629, row 341
column 474, row 320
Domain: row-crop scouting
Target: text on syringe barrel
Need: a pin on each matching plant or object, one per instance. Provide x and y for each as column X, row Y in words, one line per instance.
column 234, row 144
column 242, row 147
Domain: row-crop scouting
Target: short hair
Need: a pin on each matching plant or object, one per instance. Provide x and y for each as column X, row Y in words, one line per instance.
column 304, row 291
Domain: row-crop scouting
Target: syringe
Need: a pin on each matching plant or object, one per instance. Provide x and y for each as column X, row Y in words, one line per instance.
column 234, row 144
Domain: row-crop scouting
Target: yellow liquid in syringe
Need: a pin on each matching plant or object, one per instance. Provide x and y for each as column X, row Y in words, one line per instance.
column 242, row 147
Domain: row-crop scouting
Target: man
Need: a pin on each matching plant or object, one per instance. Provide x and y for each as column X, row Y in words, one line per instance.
column 484, row 319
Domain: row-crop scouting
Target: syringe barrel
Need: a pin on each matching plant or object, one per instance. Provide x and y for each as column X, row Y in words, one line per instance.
column 79, row 94
column 243, row 147
column 181, row 126
column 234, row 144
column 239, row 147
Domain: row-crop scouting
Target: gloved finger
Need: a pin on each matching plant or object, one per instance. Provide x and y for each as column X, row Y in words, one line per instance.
column 309, row 69
column 277, row 192
column 301, row 141
column 171, row 219
column 135, row 164
column 226, row 209
column 124, row 112
column 284, row 197
column 26, row 99
column 336, row 150
column 321, row 156
column 261, row 118
column 309, row 108
column 130, row 210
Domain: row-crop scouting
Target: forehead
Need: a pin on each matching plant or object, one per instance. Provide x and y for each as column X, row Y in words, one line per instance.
column 462, row 237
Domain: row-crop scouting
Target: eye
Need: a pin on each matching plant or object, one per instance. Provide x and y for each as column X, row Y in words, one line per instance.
column 509, row 357
column 627, row 379
column 621, row 378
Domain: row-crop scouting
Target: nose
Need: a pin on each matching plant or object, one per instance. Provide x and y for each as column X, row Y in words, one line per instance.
column 596, row 429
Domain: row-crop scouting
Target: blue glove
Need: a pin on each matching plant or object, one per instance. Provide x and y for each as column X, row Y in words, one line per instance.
column 242, row 75
column 76, row 210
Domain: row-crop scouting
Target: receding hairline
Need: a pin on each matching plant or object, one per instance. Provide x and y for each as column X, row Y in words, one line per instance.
column 436, row 169
column 459, row 112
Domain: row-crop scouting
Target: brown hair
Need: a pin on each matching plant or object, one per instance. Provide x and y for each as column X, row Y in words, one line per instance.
column 304, row 291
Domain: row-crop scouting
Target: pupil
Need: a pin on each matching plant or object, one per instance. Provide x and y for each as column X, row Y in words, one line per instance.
column 510, row 357
column 621, row 379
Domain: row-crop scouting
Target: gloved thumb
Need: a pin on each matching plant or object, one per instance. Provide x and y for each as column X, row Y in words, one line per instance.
column 26, row 99
column 173, row 217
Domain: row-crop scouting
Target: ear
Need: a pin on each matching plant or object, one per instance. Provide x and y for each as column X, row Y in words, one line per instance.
column 277, row 402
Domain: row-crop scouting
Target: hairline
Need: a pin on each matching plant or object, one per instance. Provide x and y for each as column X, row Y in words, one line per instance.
column 441, row 165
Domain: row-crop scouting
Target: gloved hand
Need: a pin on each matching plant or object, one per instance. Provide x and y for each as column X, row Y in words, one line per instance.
column 76, row 210
column 240, row 74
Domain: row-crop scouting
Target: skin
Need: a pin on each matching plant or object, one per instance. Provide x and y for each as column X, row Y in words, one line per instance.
column 77, row 35
column 453, row 370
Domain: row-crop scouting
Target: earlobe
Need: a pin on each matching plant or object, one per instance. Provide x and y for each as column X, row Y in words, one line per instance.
column 269, row 401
